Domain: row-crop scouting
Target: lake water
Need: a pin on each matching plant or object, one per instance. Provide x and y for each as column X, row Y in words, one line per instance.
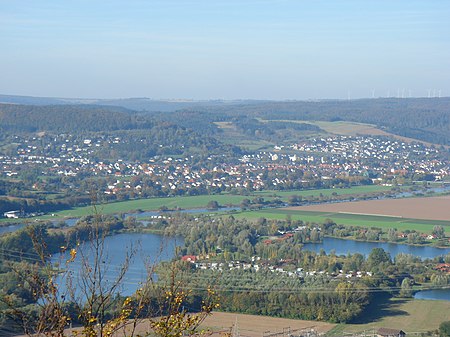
column 10, row 228
column 435, row 294
column 150, row 248
column 344, row 247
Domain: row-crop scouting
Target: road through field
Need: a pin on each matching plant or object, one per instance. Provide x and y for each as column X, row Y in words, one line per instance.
column 431, row 208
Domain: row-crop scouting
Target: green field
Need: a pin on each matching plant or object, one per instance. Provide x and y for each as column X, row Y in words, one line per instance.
column 153, row 204
column 366, row 189
column 232, row 136
column 409, row 315
column 345, row 128
column 385, row 222
column 188, row 202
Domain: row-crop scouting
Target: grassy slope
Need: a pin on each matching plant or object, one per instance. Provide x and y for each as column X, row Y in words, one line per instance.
column 345, row 128
column 408, row 315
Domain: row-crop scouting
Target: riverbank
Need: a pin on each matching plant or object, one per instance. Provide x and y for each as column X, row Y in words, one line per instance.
column 343, row 247
column 428, row 244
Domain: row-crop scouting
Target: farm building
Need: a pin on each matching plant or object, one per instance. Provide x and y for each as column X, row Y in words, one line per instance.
column 386, row 332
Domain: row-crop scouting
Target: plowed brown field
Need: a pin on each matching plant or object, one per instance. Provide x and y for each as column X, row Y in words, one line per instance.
column 432, row 208
column 219, row 323
column 257, row 326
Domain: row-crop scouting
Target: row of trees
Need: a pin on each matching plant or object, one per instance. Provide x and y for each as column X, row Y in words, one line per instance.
column 266, row 293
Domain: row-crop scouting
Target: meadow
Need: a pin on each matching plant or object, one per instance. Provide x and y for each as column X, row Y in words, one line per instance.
column 346, row 128
column 362, row 220
column 412, row 316
column 190, row 202
column 355, row 190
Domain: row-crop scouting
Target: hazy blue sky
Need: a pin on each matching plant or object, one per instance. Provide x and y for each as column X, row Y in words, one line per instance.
column 269, row 49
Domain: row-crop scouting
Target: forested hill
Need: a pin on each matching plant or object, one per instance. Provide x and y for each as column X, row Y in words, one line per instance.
column 426, row 119
column 141, row 136
column 69, row 118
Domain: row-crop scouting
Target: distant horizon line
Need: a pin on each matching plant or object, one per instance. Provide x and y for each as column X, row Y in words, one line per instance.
column 188, row 100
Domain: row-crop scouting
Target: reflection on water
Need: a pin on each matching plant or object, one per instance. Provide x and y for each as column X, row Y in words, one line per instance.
column 149, row 249
column 435, row 294
column 344, row 247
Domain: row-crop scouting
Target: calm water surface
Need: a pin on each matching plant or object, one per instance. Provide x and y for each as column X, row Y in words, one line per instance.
column 435, row 294
column 11, row 228
column 150, row 248
column 344, row 247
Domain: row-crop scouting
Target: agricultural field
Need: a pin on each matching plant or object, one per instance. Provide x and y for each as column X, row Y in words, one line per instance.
column 201, row 201
column 419, row 214
column 220, row 323
column 412, row 316
column 345, row 128
column 152, row 204
column 362, row 220
column 257, row 326
column 232, row 136
column 431, row 208
column 350, row 128
column 356, row 190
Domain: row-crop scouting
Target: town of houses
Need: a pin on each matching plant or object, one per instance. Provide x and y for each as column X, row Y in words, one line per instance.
column 377, row 158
